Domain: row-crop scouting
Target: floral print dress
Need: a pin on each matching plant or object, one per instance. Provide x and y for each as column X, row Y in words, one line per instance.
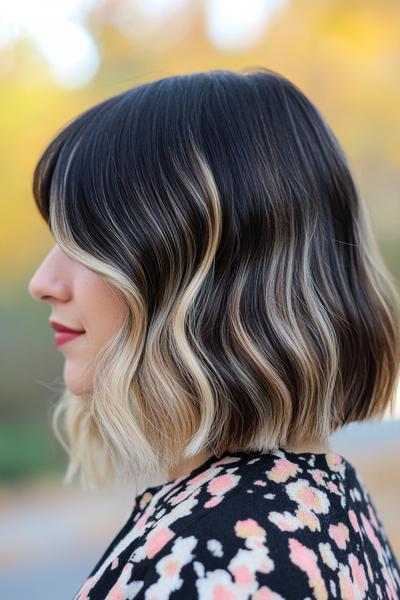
column 251, row 525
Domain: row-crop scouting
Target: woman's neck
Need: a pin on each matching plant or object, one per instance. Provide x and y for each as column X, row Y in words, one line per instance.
column 187, row 465
column 316, row 446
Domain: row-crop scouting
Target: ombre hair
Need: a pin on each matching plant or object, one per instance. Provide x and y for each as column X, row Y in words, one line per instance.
column 222, row 209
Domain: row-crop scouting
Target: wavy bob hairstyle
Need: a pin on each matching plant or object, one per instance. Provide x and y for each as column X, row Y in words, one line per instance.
column 221, row 207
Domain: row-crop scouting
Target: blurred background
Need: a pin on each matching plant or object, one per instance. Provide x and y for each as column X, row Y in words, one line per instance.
column 57, row 58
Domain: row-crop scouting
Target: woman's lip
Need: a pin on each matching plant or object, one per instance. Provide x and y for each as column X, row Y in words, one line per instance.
column 61, row 328
column 63, row 337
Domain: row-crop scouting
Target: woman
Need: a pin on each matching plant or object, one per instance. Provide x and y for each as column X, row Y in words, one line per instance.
column 232, row 311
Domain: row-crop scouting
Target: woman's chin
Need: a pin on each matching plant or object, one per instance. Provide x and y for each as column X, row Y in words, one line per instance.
column 75, row 380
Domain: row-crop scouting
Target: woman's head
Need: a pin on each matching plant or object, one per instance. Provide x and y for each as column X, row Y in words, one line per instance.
column 257, row 313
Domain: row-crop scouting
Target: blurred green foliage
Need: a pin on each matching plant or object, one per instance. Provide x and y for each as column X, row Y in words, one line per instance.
column 28, row 449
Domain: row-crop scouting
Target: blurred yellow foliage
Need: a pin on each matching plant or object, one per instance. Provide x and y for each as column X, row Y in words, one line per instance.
column 345, row 56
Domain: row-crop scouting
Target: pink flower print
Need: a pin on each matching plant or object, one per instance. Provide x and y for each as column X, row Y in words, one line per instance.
column 157, row 540
column 282, row 470
column 221, row 592
column 369, row 568
column 306, row 560
column 309, row 519
column 217, row 585
column 331, row 485
column 390, row 585
column 174, row 500
column 318, row 476
column 354, row 585
column 169, row 568
column 144, row 518
column 222, row 483
column 307, row 496
column 359, row 576
column 372, row 517
column 214, row 501
column 284, row 521
column 327, row 555
column 287, row 522
column 122, row 589
column 371, row 534
column 242, row 575
column 117, row 592
column 249, row 528
column 340, row 534
column 335, row 462
column 260, row 482
column 345, row 584
column 114, row 563
column 265, row 593
column 353, row 520
column 203, row 476
column 218, row 486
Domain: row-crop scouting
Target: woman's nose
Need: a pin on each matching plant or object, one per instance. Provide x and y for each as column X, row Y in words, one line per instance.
column 48, row 281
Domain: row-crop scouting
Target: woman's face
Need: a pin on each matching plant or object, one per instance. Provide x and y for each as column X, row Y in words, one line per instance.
column 81, row 300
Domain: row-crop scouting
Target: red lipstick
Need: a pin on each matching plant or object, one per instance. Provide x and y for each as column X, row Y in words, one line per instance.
column 64, row 334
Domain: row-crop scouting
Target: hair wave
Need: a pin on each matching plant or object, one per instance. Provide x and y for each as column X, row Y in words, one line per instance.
column 222, row 209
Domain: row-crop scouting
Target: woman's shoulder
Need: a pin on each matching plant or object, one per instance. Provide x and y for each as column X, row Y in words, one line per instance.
column 276, row 521
column 260, row 525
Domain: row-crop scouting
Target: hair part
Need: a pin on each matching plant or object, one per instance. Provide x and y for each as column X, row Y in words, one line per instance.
column 221, row 207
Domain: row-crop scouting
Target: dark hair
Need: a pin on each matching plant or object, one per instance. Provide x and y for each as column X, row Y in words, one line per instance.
column 222, row 207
